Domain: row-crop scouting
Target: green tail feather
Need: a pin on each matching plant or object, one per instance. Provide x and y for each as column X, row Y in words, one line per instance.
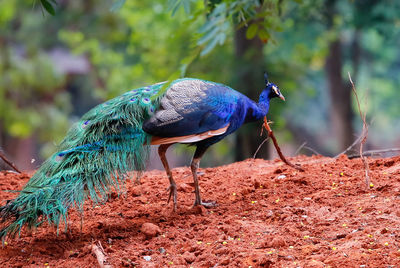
column 93, row 159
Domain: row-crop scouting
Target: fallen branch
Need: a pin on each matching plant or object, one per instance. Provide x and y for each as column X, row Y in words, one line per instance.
column 351, row 146
column 312, row 150
column 374, row 152
column 11, row 164
column 300, row 147
column 278, row 149
column 97, row 249
column 259, row 147
column 364, row 133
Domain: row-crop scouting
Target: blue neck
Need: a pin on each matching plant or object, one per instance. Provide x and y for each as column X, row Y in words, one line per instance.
column 256, row 111
column 263, row 101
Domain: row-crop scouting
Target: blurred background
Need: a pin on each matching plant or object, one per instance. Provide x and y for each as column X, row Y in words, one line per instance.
column 60, row 58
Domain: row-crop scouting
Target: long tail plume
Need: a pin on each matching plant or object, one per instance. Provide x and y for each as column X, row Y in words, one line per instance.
column 93, row 159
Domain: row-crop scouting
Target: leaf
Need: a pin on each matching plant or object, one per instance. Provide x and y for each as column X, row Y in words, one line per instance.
column 208, row 36
column 221, row 38
column 208, row 25
column 209, row 47
column 174, row 5
column 263, row 34
column 186, row 6
column 117, row 5
column 171, row 4
column 49, row 8
column 252, row 31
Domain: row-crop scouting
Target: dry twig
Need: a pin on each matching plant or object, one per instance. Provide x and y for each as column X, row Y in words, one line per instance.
column 98, row 250
column 259, row 147
column 11, row 164
column 278, row 149
column 312, row 150
column 364, row 133
column 351, row 146
column 374, row 152
column 300, row 147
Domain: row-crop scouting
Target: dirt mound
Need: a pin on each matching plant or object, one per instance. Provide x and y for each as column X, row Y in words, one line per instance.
column 267, row 215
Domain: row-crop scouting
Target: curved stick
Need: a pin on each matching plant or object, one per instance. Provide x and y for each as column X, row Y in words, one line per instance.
column 2, row 156
column 278, row 149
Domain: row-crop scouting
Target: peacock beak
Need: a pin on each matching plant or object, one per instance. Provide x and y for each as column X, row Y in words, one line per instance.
column 281, row 97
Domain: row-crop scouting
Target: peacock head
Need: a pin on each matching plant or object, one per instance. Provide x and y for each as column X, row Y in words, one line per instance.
column 272, row 89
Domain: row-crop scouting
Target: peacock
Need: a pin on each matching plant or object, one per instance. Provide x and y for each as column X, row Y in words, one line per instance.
column 114, row 138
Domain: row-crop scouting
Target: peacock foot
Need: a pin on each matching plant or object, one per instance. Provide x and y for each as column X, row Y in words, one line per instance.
column 172, row 193
column 208, row 204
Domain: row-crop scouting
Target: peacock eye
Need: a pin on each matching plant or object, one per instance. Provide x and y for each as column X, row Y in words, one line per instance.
column 59, row 157
column 146, row 101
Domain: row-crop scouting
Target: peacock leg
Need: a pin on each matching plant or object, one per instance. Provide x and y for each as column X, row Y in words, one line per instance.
column 194, row 166
column 139, row 175
column 172, row 185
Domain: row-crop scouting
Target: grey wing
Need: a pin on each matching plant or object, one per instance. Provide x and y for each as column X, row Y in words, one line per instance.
column 192, row 106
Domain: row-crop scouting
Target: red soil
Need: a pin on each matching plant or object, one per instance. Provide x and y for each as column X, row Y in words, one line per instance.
column 268, row 215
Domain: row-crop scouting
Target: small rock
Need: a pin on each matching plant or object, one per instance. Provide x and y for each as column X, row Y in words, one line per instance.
column 289, row 257
column 281, row 177
column 150, row 230
column 315, row 264
column 199, row 210
column 184, row 187
column 161, row 250
column 147, row 258
column 340, row 236
column 222, row 251
column 225, row 261
column 189, row 257
column 278, row 242
column 136, row 191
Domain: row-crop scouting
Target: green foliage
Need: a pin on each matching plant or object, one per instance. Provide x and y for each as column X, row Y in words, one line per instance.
column 48, row 6
column 174, row 5
column 117, row 5
column 222, row 16
column 142, row 42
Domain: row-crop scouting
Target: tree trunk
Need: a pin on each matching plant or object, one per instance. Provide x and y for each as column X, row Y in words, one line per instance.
column 340, row 95
column 339, row 90
column 249, row 67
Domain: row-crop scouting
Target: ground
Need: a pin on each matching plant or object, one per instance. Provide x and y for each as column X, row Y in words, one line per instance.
column 268, row 215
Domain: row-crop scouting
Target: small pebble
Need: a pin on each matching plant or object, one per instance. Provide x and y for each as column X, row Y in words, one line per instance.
column 147, row 258
column 189, row 257
column 150, row 230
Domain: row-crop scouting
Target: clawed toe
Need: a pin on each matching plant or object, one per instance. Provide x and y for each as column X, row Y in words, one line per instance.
column 208, row 204
column 172, row 193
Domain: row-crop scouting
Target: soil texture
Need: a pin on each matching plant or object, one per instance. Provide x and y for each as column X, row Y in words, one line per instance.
column 267, row 215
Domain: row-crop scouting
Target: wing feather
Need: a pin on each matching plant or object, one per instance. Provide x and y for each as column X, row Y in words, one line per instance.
column 193, row 107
